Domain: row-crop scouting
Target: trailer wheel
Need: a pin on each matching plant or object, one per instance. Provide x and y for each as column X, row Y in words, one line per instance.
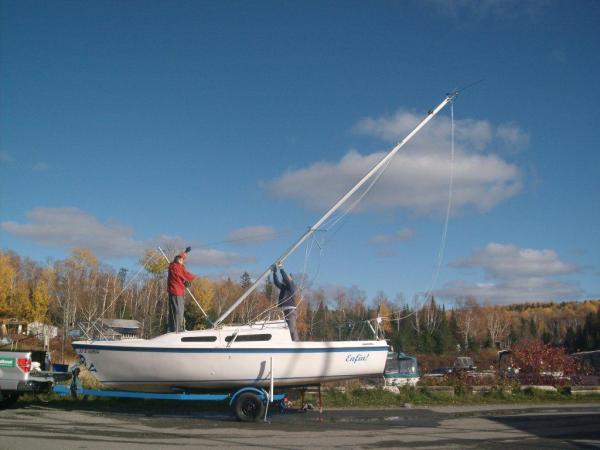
column 8, row 399
column 249, row 407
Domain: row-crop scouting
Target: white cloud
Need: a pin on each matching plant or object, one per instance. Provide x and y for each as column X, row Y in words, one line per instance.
column 514, row 275
column 252, row 235
column 72, row 227
column 517, row 291
column 200, row 255
column 217, row 258
column 474, row 134
column 6, row 157
column 505, row 261
column 418, row 176
column 512, row 136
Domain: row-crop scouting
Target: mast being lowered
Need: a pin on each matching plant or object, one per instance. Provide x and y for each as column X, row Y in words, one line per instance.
column 430, row 115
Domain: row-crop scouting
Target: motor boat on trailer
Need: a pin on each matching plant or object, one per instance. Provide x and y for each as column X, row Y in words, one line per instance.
column 230, row 356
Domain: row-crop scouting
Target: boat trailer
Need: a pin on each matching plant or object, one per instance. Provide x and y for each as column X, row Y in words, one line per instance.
column 249, row 403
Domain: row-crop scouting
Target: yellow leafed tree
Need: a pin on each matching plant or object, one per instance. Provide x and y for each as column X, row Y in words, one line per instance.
column 41, row 297
column 385, row 312
column 154, row 262
column 84, row 259
column 7, row 277
column 20, row 301
column 204, row 291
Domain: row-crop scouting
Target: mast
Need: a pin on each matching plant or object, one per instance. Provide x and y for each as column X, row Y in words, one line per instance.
column 430, row 115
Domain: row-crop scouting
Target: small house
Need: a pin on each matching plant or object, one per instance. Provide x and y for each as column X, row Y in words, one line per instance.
column 120, row 328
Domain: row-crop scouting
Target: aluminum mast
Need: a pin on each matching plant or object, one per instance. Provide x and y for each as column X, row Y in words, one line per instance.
column 340, row 202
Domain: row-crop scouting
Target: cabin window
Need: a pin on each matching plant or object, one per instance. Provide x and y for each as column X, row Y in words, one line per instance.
column 249, row 338
column 199, row 339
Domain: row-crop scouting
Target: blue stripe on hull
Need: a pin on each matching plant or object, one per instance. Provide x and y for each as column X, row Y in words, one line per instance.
column 236, row 382
column 248, row 381
column 227, row 350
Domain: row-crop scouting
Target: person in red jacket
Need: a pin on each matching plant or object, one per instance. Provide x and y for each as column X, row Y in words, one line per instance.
column 178, row 280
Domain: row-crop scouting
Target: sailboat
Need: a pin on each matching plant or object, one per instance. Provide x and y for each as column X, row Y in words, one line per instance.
column 232, row 356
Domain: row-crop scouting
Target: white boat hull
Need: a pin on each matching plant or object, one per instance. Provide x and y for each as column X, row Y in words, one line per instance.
column 158, row 365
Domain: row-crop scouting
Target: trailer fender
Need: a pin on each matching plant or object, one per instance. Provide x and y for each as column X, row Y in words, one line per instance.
column 260, row 392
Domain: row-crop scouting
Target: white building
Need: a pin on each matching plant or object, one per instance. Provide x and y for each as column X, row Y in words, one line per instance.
column 41, row 330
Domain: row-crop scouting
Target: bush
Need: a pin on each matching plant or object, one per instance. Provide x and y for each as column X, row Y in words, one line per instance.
column 540, row 363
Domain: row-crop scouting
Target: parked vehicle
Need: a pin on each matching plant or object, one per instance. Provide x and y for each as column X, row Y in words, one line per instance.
column 462, row 364
column 589, row 363
column 401, row 370
column 25, row 371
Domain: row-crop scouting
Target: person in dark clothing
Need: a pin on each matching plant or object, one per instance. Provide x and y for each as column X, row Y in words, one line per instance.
column 287, row 299
column 178, row 280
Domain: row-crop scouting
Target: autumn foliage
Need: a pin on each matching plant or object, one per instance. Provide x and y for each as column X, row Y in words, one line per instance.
column 539, row 363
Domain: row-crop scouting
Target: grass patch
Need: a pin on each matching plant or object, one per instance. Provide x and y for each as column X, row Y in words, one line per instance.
column 425, row 397
column 360, row 397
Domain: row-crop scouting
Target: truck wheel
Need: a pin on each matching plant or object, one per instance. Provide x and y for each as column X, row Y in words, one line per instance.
column 8, row 399
column 249, row 407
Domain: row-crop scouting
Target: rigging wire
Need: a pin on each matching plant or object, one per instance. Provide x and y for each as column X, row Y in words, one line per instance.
column 443, row 241
column 360, row 197
column 331, row 225
column 442, row 249
column 307, row 282
column 101, row 316
column 469, row 86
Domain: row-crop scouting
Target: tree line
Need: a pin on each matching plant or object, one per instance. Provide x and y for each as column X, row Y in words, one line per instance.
column 78, row 290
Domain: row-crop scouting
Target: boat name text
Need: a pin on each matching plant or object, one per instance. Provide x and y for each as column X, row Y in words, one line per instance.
column 357, row 357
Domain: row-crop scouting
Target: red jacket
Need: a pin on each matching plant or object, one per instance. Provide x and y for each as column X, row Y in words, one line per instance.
column 177, row 275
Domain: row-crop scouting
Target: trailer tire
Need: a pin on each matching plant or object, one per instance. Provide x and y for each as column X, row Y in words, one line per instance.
column 8, row 399
column 249, row 407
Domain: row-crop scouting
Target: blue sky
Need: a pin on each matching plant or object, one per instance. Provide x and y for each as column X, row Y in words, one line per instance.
column 231, row 126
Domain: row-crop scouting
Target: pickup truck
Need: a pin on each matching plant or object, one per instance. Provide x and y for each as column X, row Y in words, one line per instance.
column 462, row 364
column 25, row 371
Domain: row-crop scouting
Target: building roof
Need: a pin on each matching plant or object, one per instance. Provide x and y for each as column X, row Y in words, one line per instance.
column 122, row 323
